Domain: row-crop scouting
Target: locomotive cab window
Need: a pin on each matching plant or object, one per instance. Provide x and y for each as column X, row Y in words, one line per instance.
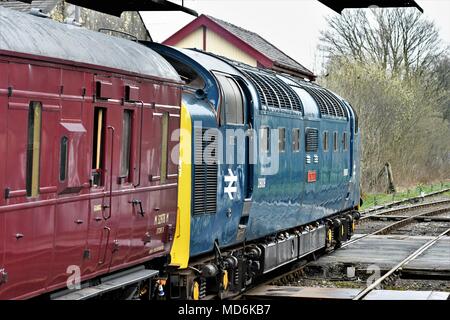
column 98, row 146
column 232, row 101
column 295, row 140
column 125, row 150
column 33, row 148
column 187, row 73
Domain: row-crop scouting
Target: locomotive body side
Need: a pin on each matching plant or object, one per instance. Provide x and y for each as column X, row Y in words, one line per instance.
column 246, row 220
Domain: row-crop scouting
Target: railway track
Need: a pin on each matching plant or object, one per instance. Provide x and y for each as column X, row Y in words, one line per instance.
column 428, row 212
column 401, row 264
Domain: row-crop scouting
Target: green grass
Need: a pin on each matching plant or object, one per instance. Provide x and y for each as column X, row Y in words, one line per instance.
column 375, row 199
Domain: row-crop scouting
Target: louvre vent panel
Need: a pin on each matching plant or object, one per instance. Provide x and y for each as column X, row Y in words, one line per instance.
column 312, row 140
column 273, row 92
column 327, row 102
column 205, row 174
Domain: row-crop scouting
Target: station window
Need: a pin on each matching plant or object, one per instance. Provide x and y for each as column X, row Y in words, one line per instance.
column 265, row 139
column 282, row 139
column 125, row 150
column 164, row 144
column 296, row 140
column 325, row 141
column 335, row 141
column 98, row 146
column 232, row 100
column 33, row 148
column 63, row 151
column 345, row 140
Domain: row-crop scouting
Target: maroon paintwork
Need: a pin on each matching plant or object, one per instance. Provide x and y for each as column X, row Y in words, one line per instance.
column 63, row 225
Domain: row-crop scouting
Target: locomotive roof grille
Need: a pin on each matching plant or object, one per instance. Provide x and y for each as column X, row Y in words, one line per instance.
column 273, row 92
column 328, row 104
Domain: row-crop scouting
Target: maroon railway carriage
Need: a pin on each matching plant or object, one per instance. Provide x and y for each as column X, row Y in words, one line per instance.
column 85, row 142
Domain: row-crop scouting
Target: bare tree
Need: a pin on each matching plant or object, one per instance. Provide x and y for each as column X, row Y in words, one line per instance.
column 399, row 40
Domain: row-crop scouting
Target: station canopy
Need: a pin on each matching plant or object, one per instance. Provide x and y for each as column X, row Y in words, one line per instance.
column 116, row 8
column 339, row 5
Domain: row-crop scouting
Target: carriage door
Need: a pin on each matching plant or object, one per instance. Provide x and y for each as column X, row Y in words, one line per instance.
column 236, row 184
column 104, row 165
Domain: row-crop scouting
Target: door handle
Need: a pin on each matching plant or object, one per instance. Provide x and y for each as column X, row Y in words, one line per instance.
column 136, row 202
column 79, row 221
column 108, row 231
column 19, row 236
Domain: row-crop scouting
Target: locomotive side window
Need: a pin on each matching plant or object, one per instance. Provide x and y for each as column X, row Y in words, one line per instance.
column 282, row 139
column 265, row 139
column 164, row 144
column 335, row 141
column 345, row 140
column 125, row 151
column 63, row 149
column 98, row 146
column 295, row 140
column 232, row 100
column 325, row 141
column 33, row 148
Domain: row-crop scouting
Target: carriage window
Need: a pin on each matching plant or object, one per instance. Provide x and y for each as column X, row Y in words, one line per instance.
column 63, row 159
column 296, row 140
column 125, row 151
column 98, row 146
column 282, row 139
column 265, row 139
column 345, row 140
column 325, row 141
column 33, row 148
column 232, row 102
column 335, row 141
column 164, row 143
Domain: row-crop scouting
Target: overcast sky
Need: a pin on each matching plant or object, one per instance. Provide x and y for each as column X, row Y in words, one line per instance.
column 292, row 25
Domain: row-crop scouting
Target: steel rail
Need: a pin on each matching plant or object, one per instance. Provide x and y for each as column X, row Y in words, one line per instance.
column 408, row 208
column 402, row 263
column 400, row 223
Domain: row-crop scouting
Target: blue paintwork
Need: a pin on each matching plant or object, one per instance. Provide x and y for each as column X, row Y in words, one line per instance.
column 287, row 200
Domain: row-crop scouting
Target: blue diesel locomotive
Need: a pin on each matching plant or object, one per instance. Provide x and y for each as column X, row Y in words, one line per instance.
column 269, row 173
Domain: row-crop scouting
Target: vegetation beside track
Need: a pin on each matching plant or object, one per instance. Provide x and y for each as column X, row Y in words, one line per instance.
column 376, row 199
